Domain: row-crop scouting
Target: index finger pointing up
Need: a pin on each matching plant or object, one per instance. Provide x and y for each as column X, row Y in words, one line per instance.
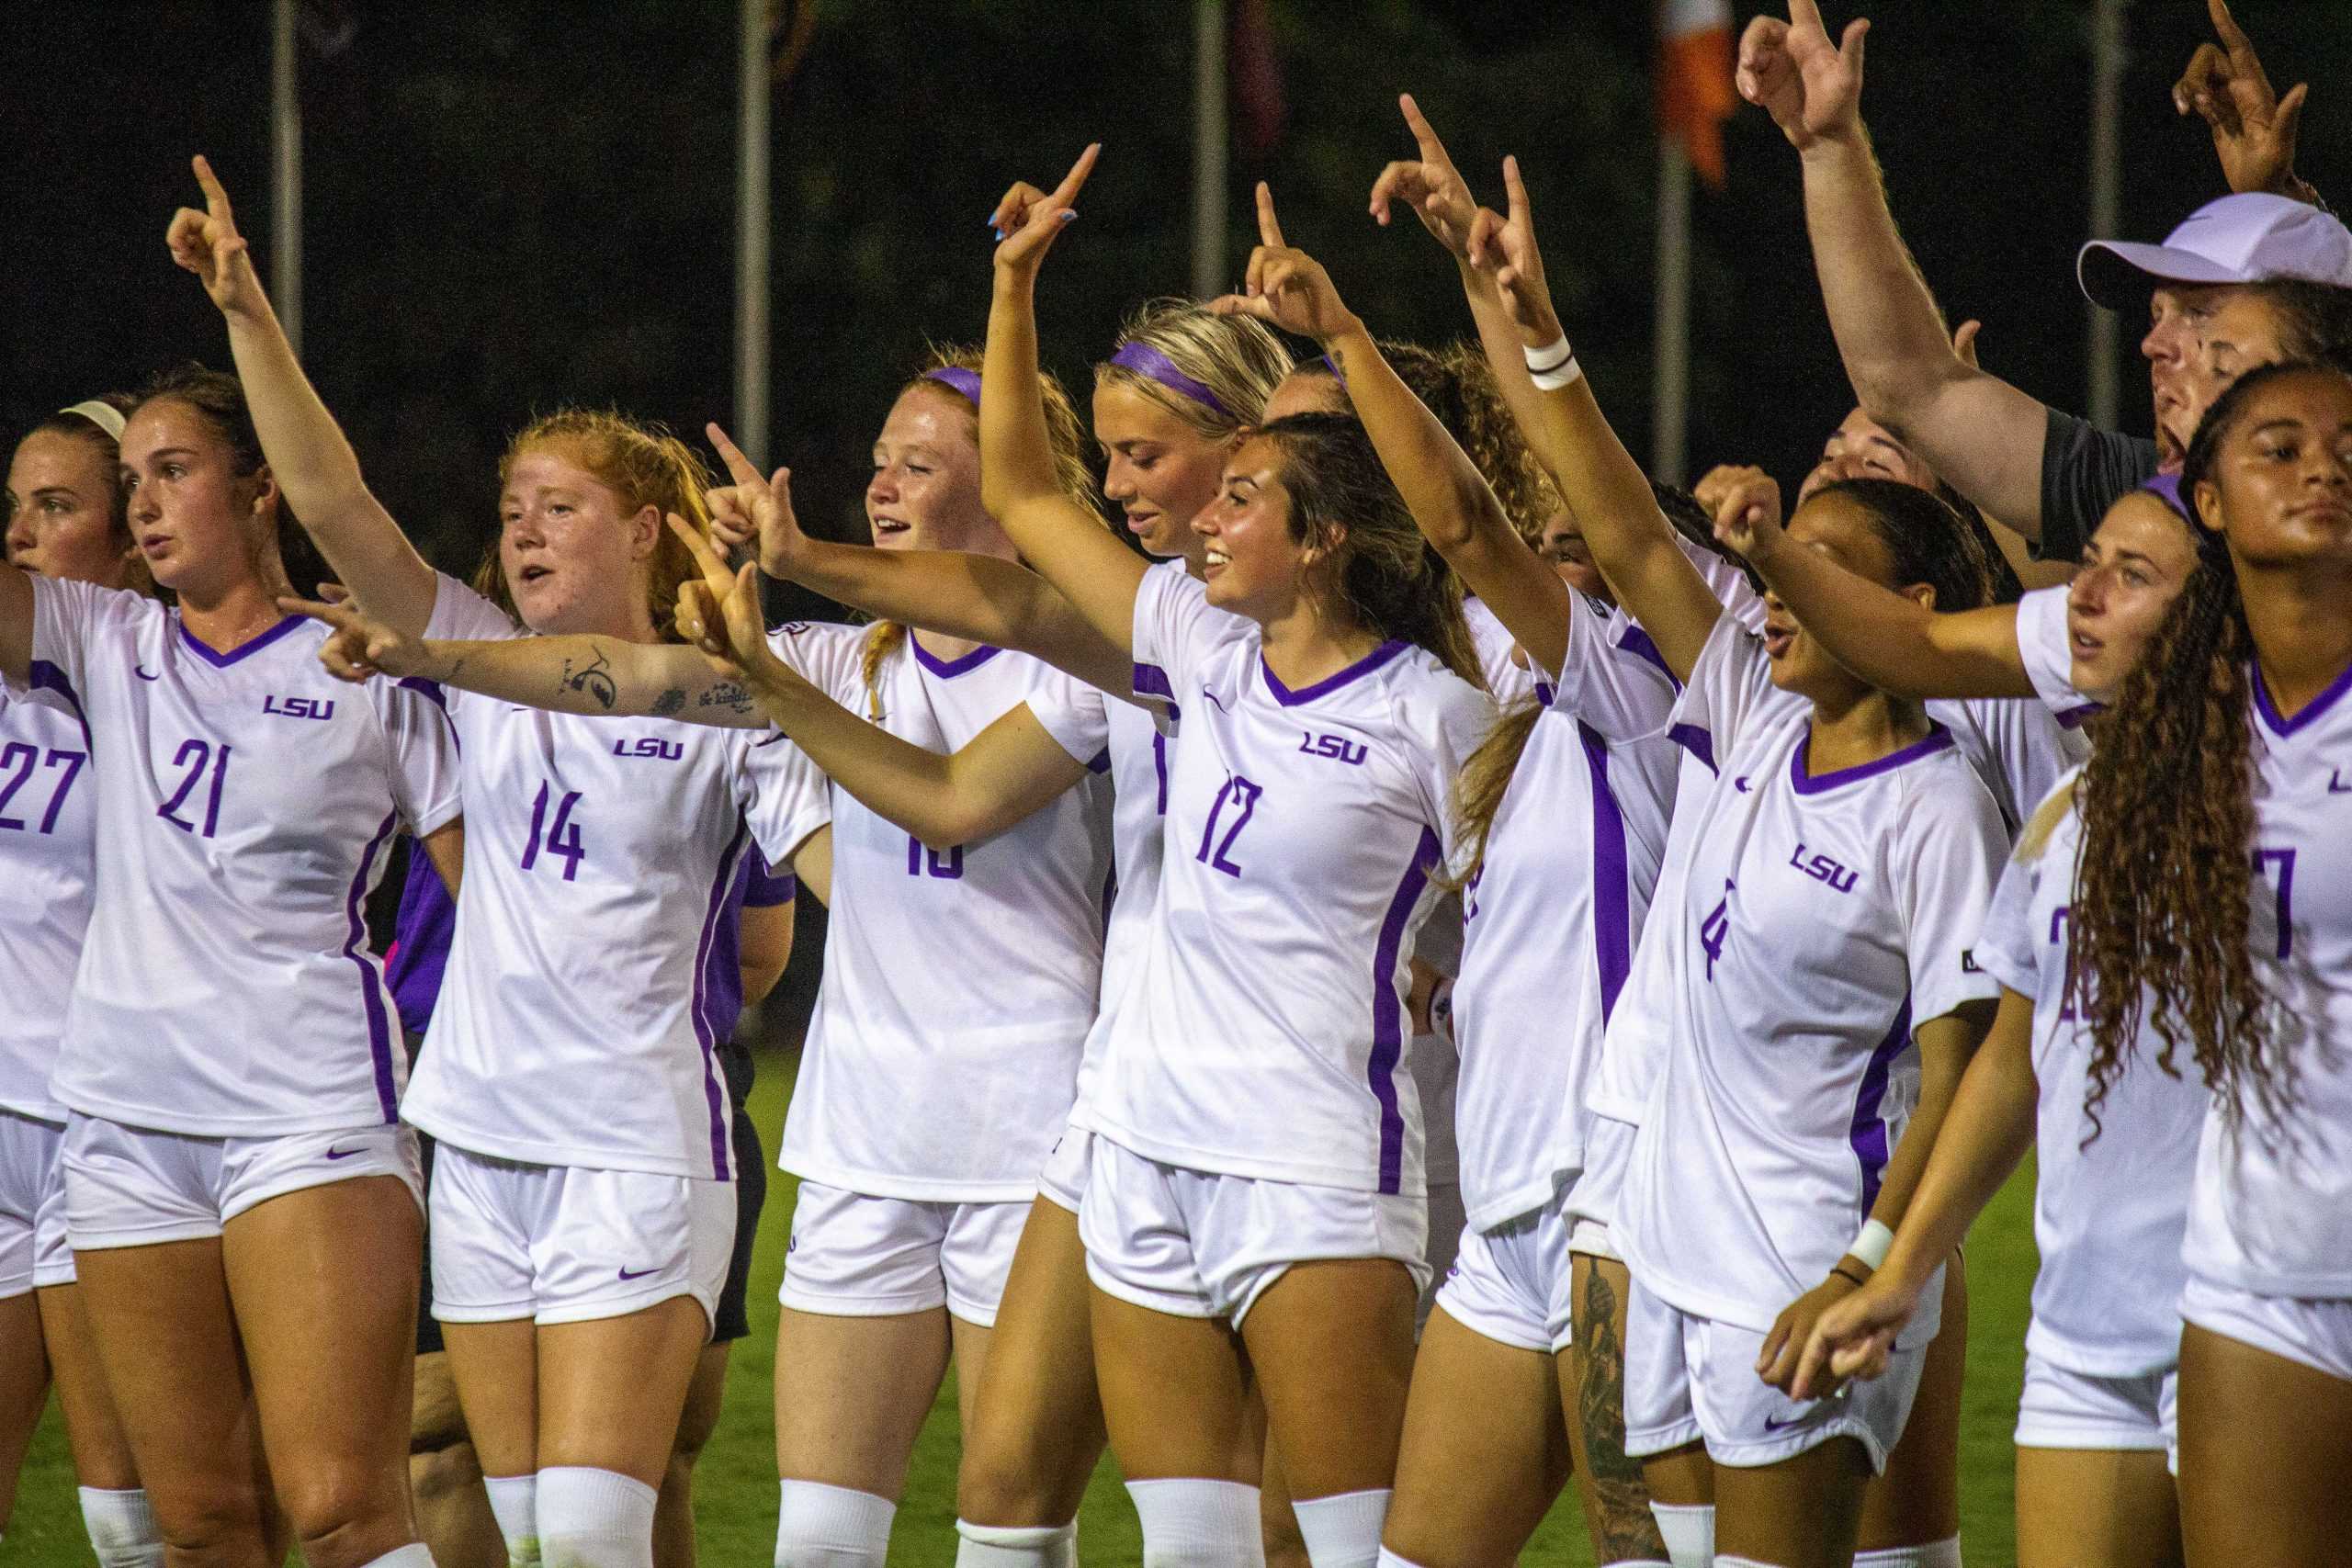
column 738, row 466
column 1066, row 192
column 1432, row 149
column 216, row 196
column 1270, row 228
column 713, row 569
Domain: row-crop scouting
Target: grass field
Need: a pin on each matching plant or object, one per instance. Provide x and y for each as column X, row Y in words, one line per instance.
column 736, row 1484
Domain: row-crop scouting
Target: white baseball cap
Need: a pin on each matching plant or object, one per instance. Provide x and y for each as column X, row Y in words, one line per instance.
column 2251, row 237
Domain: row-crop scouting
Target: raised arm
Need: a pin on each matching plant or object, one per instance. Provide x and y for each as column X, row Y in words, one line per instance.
column 1977, row 430
column 602, row 677
column 1007, row 771
column 1069, row 549
column 1631, row 540
column 996, row 601
column 1449, row 499
column 2254, row 129
column 1896, row 643
column 1987, row 1132
column 314, row 467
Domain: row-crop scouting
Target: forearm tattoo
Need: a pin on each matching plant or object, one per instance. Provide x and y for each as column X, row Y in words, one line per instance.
column 595, row 679
column 727, row 694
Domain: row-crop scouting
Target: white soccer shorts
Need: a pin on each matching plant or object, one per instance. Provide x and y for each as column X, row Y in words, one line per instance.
column 855, row 1255
column 1591, row 1198
column 565, row 1243
column 2060, row 1409
column 1511, row 1282
column 1690, row 1379
column 2314, row 1331
column 136, row 1186
column 1198, row 1244
column 1443, row 1230
column 34, row 1254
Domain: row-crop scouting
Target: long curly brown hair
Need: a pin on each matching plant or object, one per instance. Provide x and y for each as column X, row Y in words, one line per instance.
column 2160, row 914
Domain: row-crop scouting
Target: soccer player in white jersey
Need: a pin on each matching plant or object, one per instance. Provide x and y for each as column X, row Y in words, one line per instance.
column 2215, row 904
column 2111, row 1194
column 232, row 1074
column 65, row 519
column 1838, row 869
column 582, row 1194
column 1177, row 387
column 1566, row 806
column 1255, row 1158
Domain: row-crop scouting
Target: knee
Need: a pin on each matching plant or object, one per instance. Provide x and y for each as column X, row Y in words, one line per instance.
column 343, row 1513
column 211, row 1525
column 1019, row 1478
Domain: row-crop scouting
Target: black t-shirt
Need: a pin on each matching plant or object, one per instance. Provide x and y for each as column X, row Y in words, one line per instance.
column 2084, row 469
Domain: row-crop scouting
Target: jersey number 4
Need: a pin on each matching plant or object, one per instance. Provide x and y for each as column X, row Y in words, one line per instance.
column 560, row 838
column 16, row 765
column 1239, row 792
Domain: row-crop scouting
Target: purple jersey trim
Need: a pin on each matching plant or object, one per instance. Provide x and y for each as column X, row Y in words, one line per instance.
column 2283, row 726
column 1152, row 681
column 222, row 660
column 1695, row 740
column 1100, row 762
column 43, row 676
column 1636, row 641
column 2077, row 716
column 948, row 668
column 765, row 888
column 420, row 950
column 1868, row 1133
column 371, row 979
column 1389, row 1012
column 1938, row 738
column 703, row 1013
column 1330, row 684
column 1612, row 908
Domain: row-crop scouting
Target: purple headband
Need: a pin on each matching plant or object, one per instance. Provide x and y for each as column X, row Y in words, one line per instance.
column 2166, row 489
column 1152, row 365
column 968, row 382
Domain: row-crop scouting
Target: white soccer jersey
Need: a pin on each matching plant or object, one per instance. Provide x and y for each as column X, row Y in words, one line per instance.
column 2019, row 748
column 243, row 805
column 1507, row 678
column 2270, row 1210
column 47, row 816
column 575, row 1025
column 2108, row 1210
column 1822, row 917
column 1267, row 1032
column 1552, row 920
column 959, row 984
column 2046, row 651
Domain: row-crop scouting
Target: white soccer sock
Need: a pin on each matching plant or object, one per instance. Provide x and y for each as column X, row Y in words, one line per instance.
column 831, row 1527
column 1198, row 1524
column 415, row 1554
column 123, row 1529
column 1689, row 1529
column 515, row 1502
column 1944, row 1553
column 1016, row 1546
column 593, row 1518
column 1343, row 1531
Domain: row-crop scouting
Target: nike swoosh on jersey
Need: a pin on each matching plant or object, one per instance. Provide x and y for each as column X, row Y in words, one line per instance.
column 343, row 1154
column 637, row 1273
column 141, row 670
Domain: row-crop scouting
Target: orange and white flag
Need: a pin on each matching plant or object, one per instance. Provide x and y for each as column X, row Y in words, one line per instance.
column 1694, row 80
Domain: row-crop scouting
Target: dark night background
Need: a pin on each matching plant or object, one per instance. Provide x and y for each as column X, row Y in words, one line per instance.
column 516, row 204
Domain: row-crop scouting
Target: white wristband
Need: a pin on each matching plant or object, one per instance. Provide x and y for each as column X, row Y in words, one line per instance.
column 1568, row 374
column 1550, row 357
column 1872, row 1245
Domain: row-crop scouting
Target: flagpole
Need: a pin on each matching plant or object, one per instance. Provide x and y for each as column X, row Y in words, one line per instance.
column 1209, row 148
column 1670, row 351
column 286, row 173
column 2108, row 59
column 752, row 230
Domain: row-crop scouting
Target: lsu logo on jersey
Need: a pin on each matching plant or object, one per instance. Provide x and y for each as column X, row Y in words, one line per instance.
column 298, row 707
column 1335, row 747
column 1823, row 869
column 649, row 746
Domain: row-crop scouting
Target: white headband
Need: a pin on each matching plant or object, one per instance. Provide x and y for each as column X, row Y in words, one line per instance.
column 106, row 416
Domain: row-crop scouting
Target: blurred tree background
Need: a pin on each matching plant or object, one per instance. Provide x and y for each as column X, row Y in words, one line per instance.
column 512, row 205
